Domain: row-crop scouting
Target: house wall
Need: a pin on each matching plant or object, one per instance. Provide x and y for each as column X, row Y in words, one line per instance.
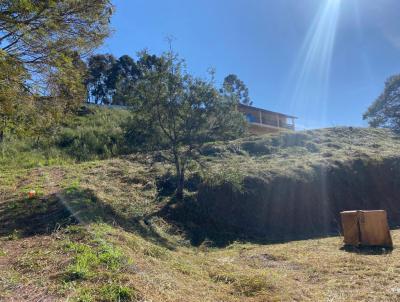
column 259, row 130
column 260, row 117
column 264, row 118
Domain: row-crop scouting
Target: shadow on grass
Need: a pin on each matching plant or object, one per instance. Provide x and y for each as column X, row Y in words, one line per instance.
column 367, row 250
column 28, row 217
column 43, row 215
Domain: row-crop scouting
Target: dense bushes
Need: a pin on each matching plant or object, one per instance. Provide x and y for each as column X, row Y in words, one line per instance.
column 84, row 143
column 96, row 133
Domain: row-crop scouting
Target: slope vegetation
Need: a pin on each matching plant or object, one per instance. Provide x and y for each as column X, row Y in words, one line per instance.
column 108, row 230
column 295, row 185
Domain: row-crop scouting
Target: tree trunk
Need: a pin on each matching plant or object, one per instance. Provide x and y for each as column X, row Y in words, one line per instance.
column 180, row 175
column 37, row 141
column 180, row 185
column 1, row 135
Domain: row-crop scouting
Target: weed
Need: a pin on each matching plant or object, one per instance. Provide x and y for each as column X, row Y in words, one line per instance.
column 185, row 268
column 15, row 235
column 76, row 232
column 110, row 256
column 84, row 262
column 116, row 293
column 227, row 174
column 89, row 257
column 85, row 295
column 9, row 280
column 155, row 251
column 252, row 284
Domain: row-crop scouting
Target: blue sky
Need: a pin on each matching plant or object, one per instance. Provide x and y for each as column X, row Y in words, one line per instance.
column 324, row 61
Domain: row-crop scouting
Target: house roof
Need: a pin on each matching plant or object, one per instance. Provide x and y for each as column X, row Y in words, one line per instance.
column 267, row 111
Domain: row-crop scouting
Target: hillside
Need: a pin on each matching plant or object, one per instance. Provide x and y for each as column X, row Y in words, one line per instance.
column 107, row 230
column 294, row 185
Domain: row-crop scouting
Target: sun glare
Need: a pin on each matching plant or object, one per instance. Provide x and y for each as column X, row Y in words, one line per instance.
column 312, row 69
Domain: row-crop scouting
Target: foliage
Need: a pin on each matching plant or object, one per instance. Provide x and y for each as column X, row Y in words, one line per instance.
column 41, row 45
column 385, row 111
column 122, row 80
column 112, row 81
column 34, row 32
column 99, row 70
column 14, row 100
column 97, row 135
column 234, row 88
column 66, row 82
column 226, row 174
column 67, row 93
column 180, row 113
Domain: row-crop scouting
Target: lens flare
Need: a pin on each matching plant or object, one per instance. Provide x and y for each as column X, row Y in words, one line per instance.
column 312, row 71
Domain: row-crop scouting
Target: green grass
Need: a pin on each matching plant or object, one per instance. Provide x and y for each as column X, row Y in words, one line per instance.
column 96, row 135
column 294, row 154
column 89, row 257
column 115, row 292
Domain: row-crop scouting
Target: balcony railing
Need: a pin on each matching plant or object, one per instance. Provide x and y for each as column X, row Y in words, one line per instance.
column 274, row 125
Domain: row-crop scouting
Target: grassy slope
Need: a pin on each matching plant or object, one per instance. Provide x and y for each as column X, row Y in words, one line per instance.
column 295, row 154
column 294, row 185
column 123, row 250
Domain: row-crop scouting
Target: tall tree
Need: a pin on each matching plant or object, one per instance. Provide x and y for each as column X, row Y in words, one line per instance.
column 14, row 98
column 100, row 68
column 33, row 31
column 385, row 111
column 234, row 88
column 44, row 38
column 113, row 81
column 122, row 79
column 179, row 113
column 67, row 91
column 147, row 62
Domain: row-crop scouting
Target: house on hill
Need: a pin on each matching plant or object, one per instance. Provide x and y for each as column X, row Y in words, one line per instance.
column 263, row 121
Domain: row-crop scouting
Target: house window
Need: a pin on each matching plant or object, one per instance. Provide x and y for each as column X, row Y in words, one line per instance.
column 250, row 118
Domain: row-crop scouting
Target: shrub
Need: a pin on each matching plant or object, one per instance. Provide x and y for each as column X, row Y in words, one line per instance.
column 99, row 135
column 256, row 148
column 88, row 143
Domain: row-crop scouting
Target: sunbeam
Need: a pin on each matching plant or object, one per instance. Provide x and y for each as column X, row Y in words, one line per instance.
column 312, row 70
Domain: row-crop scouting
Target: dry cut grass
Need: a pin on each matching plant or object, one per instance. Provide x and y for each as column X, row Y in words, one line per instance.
column 100, row 262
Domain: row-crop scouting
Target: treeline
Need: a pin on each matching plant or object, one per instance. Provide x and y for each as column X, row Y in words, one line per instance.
column 112, row 81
